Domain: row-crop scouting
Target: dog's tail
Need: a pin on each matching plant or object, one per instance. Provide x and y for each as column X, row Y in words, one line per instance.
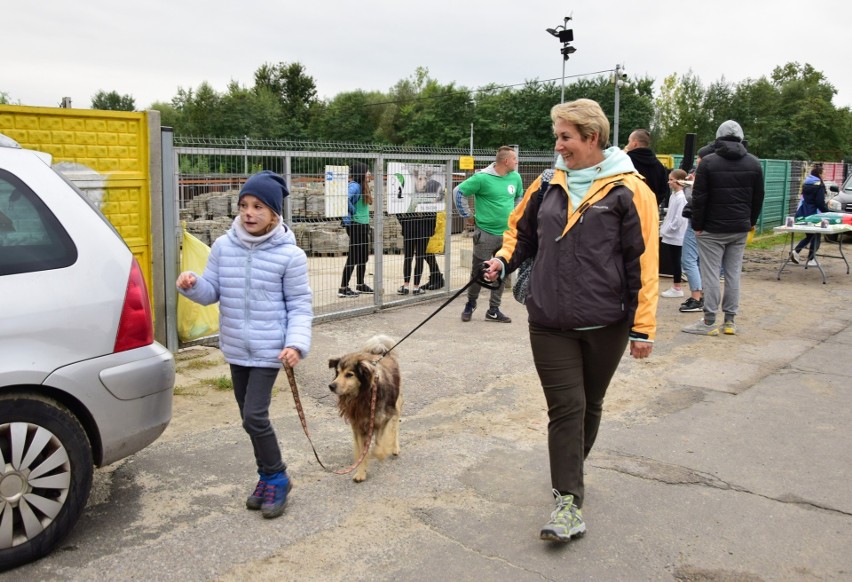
column 379, row 345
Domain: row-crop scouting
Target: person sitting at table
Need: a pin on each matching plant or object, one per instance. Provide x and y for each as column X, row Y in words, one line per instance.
column 812, row 202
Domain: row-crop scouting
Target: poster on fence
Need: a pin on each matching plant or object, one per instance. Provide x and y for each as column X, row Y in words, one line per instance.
column 415, row 187
column 336, row 191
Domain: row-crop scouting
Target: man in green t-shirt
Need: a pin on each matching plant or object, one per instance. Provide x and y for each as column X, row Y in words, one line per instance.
column 497, row 190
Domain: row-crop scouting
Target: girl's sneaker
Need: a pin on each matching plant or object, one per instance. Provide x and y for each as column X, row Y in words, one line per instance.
column 346, row 292
column 278, row 486
column 418, row 291
column 671, row 293
column 403, row 290
column 255, row 500
column 363, row 288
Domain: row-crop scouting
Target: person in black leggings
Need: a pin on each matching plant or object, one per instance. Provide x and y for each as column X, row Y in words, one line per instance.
column 417, row 229
column 357, row 225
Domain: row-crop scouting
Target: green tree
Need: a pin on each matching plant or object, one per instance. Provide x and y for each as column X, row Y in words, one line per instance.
column 296, row 91
column 169, row 115
column 198, row 110
column 521, row 116
column 351, row 116
column 253, row 113
column 4, row 98
column 112, row 101
column 440, row 117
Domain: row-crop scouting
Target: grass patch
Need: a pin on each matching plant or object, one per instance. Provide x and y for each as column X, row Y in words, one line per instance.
column 185, row 391
column 219, row 383
column 768, row 241
column 196, row 364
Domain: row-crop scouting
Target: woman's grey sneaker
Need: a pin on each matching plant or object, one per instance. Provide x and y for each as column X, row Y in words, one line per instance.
column 691, row 305
column 494, row 314
column 566, row 521
column 729, row 328
column 701, row 328
column 362, row 288
column 347, row 292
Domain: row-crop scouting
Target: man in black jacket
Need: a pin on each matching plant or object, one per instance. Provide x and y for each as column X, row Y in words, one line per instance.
column 727, row 198
column 656, row 175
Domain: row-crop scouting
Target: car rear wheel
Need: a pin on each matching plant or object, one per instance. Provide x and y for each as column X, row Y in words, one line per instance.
column 45, row 476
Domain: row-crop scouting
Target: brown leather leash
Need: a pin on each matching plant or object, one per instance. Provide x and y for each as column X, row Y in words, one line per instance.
column 374, row 390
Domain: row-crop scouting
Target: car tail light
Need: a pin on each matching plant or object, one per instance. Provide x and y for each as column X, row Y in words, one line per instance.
column 135, row 328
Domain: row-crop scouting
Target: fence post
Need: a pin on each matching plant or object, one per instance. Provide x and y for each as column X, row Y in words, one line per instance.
column 379, row 233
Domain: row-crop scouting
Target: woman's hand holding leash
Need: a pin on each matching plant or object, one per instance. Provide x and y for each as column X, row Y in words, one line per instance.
column 492, row 269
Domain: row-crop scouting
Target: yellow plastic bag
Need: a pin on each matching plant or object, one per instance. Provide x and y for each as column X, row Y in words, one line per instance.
column 195, row 321
column 435, row 246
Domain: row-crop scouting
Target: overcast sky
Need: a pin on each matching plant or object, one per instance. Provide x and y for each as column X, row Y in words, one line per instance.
column 53, row 49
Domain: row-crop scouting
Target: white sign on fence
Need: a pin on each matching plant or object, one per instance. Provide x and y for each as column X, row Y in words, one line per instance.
column 415, row 188
column 336, row 191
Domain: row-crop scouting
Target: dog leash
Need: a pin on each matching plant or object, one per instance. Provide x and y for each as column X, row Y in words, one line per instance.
column 479, row 278
column 291, row 377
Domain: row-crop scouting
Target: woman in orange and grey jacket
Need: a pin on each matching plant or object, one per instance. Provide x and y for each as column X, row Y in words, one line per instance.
column 593, row 287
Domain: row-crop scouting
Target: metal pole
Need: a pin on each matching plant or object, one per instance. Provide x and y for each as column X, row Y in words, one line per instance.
column 615, row 115
column 471, row 139
column 617, row 98
column 562, row 97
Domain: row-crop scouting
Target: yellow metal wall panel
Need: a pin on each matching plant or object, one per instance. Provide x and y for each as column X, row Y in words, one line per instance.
column 667, row 160
column 113, row 144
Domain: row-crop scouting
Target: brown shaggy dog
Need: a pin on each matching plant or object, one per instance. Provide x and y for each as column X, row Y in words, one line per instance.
column 354, row 374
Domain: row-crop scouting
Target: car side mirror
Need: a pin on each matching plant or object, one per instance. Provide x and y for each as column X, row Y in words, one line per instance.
column 834, row 189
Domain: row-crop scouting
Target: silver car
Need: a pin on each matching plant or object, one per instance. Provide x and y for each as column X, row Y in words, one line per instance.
column 82, row 381
column 840, row 200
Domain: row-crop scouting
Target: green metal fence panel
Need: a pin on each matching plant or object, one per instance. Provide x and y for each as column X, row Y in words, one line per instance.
column 776, row 185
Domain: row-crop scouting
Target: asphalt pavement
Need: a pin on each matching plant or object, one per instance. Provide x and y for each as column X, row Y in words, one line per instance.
column 723, row 459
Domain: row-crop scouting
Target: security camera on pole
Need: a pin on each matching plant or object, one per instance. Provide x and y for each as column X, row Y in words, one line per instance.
column 565, row 36
column 620, row 81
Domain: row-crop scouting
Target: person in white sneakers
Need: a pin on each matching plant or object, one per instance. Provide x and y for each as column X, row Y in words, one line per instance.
column 672, row 232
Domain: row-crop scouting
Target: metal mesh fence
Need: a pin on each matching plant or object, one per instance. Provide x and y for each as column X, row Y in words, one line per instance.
column 415, row 234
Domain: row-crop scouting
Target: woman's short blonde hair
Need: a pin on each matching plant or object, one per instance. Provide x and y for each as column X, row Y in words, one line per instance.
column 587, row 116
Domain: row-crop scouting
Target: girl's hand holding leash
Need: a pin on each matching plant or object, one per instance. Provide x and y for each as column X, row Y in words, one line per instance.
column 290, row 357
column 186, row 280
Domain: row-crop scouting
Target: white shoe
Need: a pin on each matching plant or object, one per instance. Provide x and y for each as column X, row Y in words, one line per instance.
column 672, row 293
column 812, row 263
column 794, row 256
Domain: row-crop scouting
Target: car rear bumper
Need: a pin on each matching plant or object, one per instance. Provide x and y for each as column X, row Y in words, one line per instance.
column 128, row 394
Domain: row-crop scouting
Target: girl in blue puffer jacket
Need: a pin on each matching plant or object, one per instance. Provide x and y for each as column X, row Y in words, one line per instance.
column 259, row 276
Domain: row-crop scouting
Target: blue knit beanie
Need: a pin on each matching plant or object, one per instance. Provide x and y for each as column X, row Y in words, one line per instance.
column 268, row 187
